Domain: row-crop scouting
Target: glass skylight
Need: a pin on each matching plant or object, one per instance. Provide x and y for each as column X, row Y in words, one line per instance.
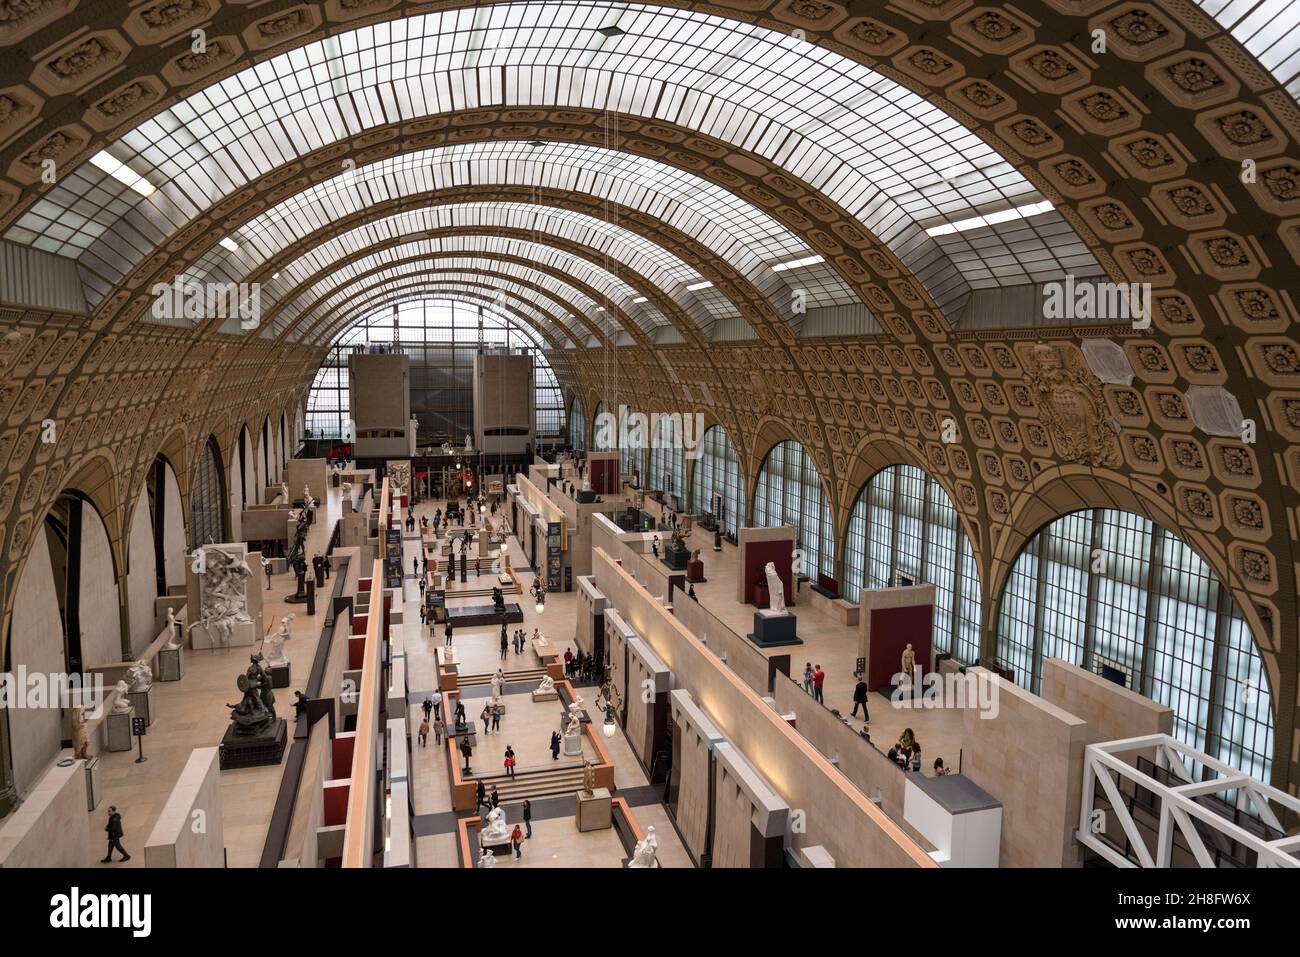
column 891, row 158
column 1269, row 29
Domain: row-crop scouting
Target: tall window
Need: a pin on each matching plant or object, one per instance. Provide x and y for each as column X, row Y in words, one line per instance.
column 602, row 440
column 441, row 338
column 577, row 425
column 717, row 472
column 667, row 460
column 1119, row 595
column 631, row 453
column 904, row 526
column 789, row 492
column 208, row 498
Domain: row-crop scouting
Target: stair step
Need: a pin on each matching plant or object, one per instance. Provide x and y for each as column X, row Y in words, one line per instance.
column 467, row 681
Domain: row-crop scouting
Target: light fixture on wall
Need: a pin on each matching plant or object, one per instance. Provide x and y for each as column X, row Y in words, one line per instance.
column 609, row 701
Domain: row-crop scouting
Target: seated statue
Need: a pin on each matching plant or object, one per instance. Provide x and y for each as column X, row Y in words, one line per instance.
column 547, row 686
column 487, row 859
column 140, row 676
column 121, row 698
column 495, row 830
column 643, row 855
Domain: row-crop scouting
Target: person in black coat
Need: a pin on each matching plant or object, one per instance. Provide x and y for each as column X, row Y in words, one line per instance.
column 481, row 795
column 528, row 818
column 860, row 699
column 555, row 745
column 115, row 833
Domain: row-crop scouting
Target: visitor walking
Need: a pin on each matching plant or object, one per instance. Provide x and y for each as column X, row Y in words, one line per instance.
column 438, row 728
column 528, row 817
column 568, row 661
column 496, row 718
column 510, row 761
column 860, row 699
column 486, row 717
column 478, row 567
column 819, row 678
column 436, row 701
column 555, row 745
column 503, row 643
column 496, row 798
column 427, row 707
column 808, row 677
column 517, row 839
column 115, row 835
column 447, row 632
column 424, row 731
column 480, row 795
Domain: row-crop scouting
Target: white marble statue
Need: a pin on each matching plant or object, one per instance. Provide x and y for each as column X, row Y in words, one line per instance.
column 224, row 593
column 495, row 830
column 139, row 676
column 497, row 681
column 274, row 643
column 80, row 736
column 643, row 855
column 486, row 858
column 308, row 502
column 284, row 490
column 775, row 591
column 574, row 724
column 469, row 445
column 347, row 489
column 175, row 633
column 121, row 698
column 547, row 686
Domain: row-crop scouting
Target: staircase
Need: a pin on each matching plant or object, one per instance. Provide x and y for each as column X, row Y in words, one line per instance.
column 534, row 784
column 534, row 675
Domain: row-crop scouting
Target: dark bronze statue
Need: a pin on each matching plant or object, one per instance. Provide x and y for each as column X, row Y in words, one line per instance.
column 256, row 711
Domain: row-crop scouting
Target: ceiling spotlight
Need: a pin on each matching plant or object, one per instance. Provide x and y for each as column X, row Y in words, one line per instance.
column 700, row 285
column 991, row 219
column 797, row 263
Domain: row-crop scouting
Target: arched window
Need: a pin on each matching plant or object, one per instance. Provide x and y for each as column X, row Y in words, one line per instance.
column 717, row 472
column 631, row 451
column 577, row 426
column 602, row 440
column 904, row 530
column 208, row 498
column 1115, row 593
column 667, row 460
column 789, row 492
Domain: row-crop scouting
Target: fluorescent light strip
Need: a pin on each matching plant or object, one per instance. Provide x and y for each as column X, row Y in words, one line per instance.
column 122, row 173
column 699, row 285
column 991, row 219
column 640, row 299
column 229, row 244
column 798, row 263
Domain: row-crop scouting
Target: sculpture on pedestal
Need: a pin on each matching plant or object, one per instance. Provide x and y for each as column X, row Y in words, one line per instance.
column 122, row 698
column 497, row 681
column 275, row 643
column 284, row 491
column 297, row 559
column 139, row 676
column 486, row 858
column 223, row 590
column 573, row 725
column 588, row 778
column 495, row 830
column 643, row 855
column 175, row 634
column 255, row 712
column 547, row 686
column 775, row 590
column 909, row 662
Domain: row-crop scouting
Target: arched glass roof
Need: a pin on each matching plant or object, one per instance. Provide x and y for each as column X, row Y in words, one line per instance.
column 895, row 161
column 1269, row 29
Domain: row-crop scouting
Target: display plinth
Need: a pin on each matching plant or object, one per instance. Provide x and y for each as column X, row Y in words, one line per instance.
column 253, row 751
column 508, row 849
column 117, row 731
column 772, row 630
column 171, row 664
column 695, row 572
column 280, row 675
column 142, row 703
column 595, row 810
column 546, row 695
column 92, row 784
column 676, row 558
column 572, row 744
column 242, row 635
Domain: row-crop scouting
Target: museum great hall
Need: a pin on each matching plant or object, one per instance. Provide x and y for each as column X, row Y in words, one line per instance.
column 568, row 433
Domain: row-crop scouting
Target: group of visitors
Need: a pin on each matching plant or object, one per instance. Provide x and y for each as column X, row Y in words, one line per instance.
column 520, row 638
column 432, row 708
column 491, row 715
column 579, row 667
column 813, row 679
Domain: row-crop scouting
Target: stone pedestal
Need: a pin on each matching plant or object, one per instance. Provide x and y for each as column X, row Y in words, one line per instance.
column 253, row 751
column 142, row 703
column 170, row 664
column 242, row 635
column 676, row 559
column 280, row 675
column 572, row 744
column 772, row 630
column 546, row 695
column 595, row 810
column 117, row 732
column 695, row 572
